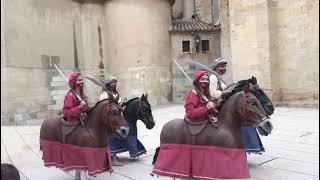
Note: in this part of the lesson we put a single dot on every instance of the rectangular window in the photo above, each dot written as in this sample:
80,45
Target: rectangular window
205,45
185,46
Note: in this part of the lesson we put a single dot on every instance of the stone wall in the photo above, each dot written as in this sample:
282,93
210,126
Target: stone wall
34,31
204,9
225,42
277,41
137,45
294,49
177,9
188,8
180,84
250,41
274,41
123,38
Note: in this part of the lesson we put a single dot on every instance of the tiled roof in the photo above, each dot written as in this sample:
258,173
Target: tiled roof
192,25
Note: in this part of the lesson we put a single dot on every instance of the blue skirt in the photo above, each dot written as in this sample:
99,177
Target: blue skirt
118,144
251,139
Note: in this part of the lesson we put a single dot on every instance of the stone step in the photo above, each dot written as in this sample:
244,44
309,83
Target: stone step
56,107
54,88
42,115
59,92
59,102
58,83
21,117
58,97
58,79
31,122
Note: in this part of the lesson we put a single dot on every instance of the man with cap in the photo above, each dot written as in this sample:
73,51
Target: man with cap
217,87
111,85
75,102
252,141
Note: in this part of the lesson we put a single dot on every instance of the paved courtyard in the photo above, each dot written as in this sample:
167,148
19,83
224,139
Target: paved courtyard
292,150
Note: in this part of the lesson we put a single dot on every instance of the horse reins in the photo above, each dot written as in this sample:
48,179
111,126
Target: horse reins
119,108
245,109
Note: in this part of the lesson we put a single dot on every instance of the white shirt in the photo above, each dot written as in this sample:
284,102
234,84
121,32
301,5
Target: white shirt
215,92
104,95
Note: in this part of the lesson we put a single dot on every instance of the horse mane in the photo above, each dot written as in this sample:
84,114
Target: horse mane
96,105
99,103
237,87
129,101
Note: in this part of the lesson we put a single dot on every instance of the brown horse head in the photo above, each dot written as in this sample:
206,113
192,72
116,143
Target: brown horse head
243,105
252,110
113,119
249,101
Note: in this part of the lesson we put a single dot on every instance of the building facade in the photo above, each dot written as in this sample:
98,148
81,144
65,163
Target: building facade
277,41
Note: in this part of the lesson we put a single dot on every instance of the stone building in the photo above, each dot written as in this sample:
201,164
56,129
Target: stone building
274,40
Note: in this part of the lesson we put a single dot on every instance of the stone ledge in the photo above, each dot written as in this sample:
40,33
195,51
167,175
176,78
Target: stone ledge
102,1
58,83
310,104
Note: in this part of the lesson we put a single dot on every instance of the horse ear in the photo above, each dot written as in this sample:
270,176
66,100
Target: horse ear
146,95
253,80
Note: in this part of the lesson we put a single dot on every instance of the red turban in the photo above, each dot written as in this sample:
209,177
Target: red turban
197,75
72,78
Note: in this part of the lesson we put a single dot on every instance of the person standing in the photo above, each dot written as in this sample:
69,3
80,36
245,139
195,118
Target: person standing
198,105
111,92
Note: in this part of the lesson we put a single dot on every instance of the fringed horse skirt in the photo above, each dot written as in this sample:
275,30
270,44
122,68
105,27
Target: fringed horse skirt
71,157
132,144
201,162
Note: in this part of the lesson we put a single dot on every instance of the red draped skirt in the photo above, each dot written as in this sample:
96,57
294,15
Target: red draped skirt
71,157
201,162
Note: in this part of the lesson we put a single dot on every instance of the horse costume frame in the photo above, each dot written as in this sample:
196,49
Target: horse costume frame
213,153
86,147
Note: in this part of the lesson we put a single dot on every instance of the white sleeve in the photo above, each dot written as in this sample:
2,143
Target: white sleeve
104,95
213,87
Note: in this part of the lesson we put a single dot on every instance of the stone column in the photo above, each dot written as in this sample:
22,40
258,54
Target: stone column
138,47
188,8
177,9
203,8
90,38
225,38
249,36
215,5
4,93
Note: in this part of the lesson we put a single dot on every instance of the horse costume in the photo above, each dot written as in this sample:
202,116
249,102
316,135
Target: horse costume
136,108
205,152
76,147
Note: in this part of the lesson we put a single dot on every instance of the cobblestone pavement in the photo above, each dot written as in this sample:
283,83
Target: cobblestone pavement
292,150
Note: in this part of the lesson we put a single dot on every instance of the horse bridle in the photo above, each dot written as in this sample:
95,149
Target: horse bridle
144,119
108,110
245,108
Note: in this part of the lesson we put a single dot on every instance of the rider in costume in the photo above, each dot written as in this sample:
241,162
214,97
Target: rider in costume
111,86
75,102
250,136
197,109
